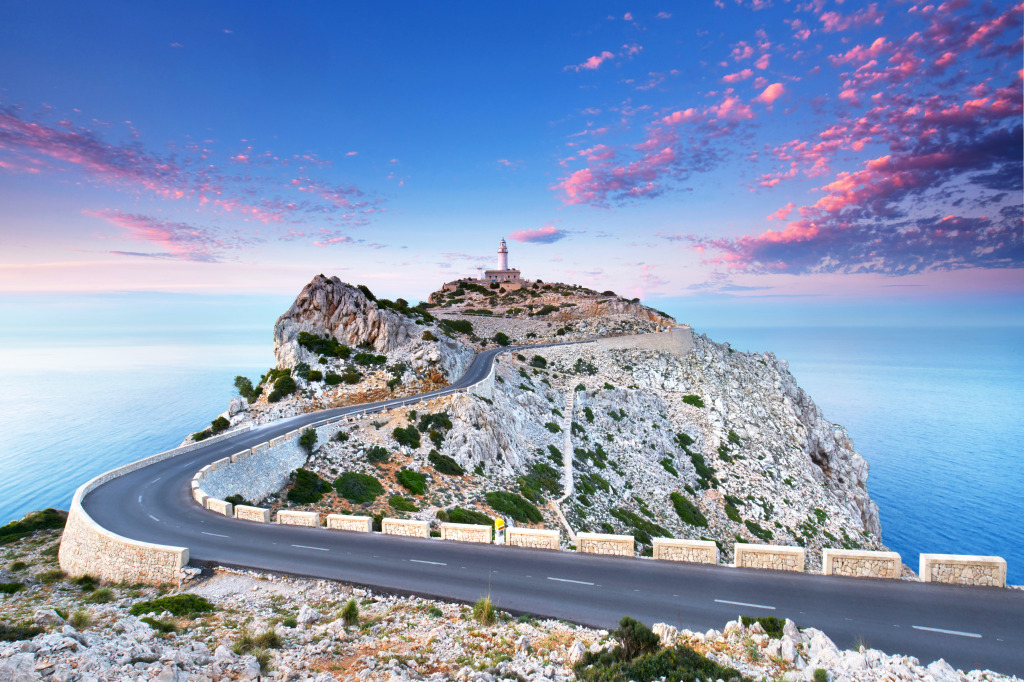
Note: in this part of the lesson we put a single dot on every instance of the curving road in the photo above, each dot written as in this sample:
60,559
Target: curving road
970,627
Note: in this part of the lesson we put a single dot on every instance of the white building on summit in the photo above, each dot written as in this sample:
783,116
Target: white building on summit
504,277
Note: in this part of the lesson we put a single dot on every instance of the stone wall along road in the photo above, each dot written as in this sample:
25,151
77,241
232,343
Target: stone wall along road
406,527
298,518
963,569
466,532
534,538
602,543
693,551
772,557
860,563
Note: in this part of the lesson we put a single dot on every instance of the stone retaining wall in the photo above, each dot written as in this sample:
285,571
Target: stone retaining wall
220,506
677,340
357,524
298,518
963,569
406,527
602,543
257,514
534,538
861,563
466,532
694,551
772,557
86,548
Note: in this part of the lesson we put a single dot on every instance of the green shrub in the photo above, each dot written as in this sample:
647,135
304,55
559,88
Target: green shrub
456,326
444,464
14,632
402,504
10,588
584,367
705,474
684,440
314,375
634,638
460,515
309,488
366,291
408,436
358,488
332,379
642,528
439,421
514,506
733,437
732,512
435,612
283,386
688,511
352,377
161,626
308,440
236,500
290,622
80,619
501,338
772,625
546,310
369,359
820,675
674,664
429,336
758,531
484,612
50,576
219,425
377,455
18,566
201,435
552,427
179,605
47,519
324,345
667,465
589,414
246,389
693,400
350,613
413,481
538,361
542,477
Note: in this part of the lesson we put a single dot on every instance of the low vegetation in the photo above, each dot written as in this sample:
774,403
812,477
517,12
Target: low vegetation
444,464
514,506
358,488
308,487
413,481
179,605
46,519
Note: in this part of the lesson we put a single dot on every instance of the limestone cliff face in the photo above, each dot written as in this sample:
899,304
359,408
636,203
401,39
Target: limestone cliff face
328,306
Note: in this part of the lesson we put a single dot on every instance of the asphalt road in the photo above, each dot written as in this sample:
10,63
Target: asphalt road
970,627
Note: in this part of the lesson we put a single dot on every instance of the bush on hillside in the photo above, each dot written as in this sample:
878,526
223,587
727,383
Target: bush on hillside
688,511
179,606
358,488
460,515
377,455
413,481
538,361
309,488
514,506
444,464
324,345
47,519
501,338
694,400
308,440
408,436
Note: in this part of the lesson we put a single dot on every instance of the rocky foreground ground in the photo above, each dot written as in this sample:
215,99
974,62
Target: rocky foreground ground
243,625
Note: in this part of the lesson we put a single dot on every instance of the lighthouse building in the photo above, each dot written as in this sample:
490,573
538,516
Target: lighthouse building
503,277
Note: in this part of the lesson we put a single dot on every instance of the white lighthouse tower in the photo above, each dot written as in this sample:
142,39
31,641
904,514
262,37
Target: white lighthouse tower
503,256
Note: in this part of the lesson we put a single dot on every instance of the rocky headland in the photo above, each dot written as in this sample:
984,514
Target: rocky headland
607,435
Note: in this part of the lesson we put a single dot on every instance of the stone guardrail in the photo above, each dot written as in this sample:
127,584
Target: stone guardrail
859,563
603,543
691,551
356,524
466,532
86,548
406,527
961,569
533,538
772,557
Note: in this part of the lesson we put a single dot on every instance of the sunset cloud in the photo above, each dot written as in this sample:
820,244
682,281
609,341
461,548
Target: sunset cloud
542,235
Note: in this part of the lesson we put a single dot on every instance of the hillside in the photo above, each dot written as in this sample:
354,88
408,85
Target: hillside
688,441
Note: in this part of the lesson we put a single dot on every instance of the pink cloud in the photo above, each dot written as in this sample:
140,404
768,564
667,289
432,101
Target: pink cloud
763,61
783,212
664,15
178,240
833,21
541,235
771,93
738,76
592,63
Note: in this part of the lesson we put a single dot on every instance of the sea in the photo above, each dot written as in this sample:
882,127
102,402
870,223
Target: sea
938,413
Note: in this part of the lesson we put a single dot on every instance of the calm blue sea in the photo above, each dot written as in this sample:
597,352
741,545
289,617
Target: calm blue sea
938,414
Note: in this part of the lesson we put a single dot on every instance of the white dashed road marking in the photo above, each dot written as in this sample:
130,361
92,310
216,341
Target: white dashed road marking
947,632
566,580
216,535
434,563
743,603
319,549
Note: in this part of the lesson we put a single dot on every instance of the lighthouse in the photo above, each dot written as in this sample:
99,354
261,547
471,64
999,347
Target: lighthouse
503,256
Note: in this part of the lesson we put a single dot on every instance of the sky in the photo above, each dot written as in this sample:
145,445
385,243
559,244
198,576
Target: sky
732,160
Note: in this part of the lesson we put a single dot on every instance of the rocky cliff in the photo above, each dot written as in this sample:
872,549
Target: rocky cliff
685,439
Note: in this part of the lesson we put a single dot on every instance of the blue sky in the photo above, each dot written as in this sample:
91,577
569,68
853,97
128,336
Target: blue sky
721,158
